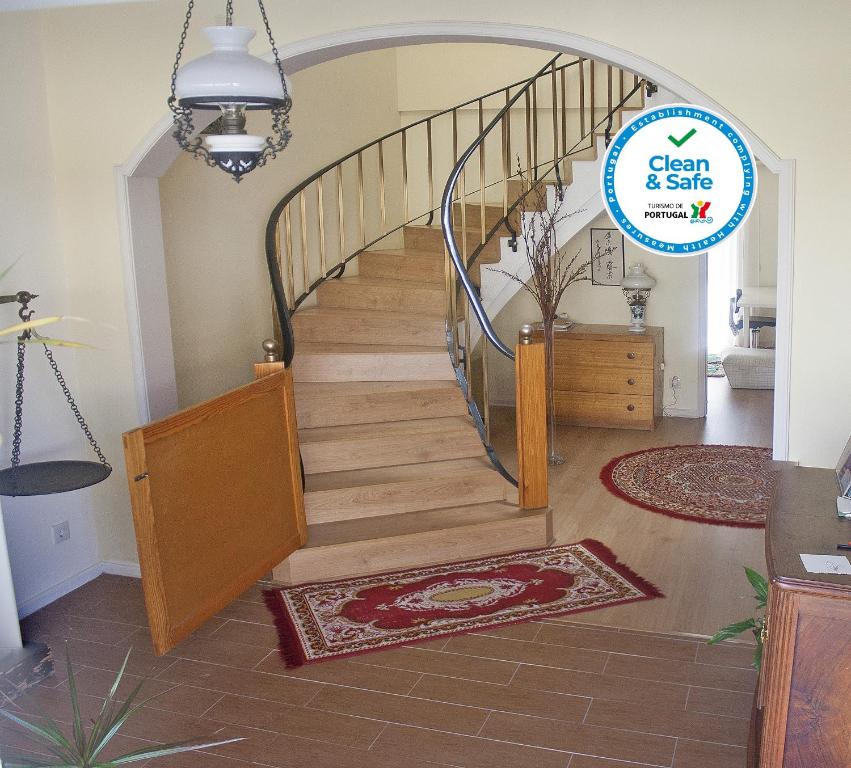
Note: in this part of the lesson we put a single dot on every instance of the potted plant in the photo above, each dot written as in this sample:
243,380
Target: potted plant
84,748
756,624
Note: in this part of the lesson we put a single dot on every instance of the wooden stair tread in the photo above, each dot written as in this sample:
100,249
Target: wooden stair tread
328,481
380,282
388,429
414,253
332,497
364,529
330,390
350,325
334,348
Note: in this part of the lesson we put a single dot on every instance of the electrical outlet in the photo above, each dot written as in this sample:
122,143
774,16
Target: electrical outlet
61,532
675,382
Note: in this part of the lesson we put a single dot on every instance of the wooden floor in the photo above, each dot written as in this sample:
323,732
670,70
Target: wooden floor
560,693
556,694
698,567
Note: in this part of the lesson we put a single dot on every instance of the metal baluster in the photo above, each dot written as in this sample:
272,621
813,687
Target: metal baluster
341,220
506,153
555,117
405,175
609,86
381,187
486,405
528,139
535,129
305,275
564,110
360,200
582,97
288,239
593,95
430,158
482,183
279,256
622,94
323,267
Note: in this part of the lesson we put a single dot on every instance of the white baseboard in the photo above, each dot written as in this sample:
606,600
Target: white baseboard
683,413
121,568
61,589
76,581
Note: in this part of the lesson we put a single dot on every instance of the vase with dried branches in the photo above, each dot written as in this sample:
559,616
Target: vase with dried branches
552,271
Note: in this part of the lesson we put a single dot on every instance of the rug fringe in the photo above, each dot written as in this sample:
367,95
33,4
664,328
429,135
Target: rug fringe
289,646
601,551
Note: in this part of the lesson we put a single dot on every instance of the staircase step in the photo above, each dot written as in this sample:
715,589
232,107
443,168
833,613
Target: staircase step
426,267
367,402
382,295
372,545
338,449
367,326
332,362
493,214
396,490
430,238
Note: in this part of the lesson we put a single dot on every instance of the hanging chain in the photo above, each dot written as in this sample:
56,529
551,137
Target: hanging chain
280,114
19,406
74,409
229,13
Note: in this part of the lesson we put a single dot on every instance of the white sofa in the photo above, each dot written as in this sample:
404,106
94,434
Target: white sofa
748,368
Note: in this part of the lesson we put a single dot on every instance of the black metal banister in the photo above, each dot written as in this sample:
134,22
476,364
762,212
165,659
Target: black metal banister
448,200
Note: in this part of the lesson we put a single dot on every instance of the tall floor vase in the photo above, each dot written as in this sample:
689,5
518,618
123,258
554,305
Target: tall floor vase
554,458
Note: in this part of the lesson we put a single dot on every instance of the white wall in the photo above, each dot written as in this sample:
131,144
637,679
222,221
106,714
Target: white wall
672,305
107,72
214,229
28,225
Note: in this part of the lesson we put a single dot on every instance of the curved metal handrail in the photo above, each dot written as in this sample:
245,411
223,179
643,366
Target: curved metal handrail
447,201
283,312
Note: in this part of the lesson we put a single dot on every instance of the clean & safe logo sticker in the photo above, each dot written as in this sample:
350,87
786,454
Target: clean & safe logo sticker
678,179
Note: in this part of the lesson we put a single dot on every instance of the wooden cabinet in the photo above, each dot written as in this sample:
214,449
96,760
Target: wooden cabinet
606,376
803,713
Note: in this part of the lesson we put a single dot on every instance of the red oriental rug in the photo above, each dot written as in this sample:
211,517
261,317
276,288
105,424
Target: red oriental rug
714,484
335,619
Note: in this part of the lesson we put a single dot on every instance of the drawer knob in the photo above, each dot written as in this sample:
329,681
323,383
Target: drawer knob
630,407
631,382
630,355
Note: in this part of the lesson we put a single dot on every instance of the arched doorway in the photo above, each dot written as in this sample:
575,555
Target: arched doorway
141,227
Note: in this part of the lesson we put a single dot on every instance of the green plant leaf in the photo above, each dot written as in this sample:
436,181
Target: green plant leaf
8,269
79,731
759,583
731,630
30,324
105,715
48,736
170,749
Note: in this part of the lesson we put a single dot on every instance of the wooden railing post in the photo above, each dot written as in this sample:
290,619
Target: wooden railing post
530,373
272,362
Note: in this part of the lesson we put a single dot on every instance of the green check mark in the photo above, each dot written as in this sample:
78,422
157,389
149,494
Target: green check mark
683,140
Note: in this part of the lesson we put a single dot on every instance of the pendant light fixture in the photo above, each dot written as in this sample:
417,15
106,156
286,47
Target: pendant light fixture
233,81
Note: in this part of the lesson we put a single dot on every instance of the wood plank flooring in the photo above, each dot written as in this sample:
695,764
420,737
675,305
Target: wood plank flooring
554,694
698,567
624,687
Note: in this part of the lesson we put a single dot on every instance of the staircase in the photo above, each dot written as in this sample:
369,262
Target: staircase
395,445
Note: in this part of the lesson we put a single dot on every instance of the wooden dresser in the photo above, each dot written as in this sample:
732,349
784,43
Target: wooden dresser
802,717
606,376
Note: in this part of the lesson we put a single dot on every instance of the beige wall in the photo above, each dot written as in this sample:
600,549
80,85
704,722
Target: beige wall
107,72
214,229
28,227
672,305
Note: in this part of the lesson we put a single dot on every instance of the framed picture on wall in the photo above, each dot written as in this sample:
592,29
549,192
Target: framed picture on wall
607,257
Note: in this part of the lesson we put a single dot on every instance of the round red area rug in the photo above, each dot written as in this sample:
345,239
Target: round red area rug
714,484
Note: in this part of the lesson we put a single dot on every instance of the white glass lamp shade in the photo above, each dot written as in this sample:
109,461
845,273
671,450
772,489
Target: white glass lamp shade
636,279
230,74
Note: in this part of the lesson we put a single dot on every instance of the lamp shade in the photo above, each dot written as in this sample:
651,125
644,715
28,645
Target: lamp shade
230,74
636,279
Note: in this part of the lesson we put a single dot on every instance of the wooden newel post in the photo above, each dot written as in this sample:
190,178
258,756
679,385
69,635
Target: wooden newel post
271,360
530,377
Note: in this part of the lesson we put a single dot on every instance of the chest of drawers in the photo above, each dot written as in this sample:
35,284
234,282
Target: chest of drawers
606,376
